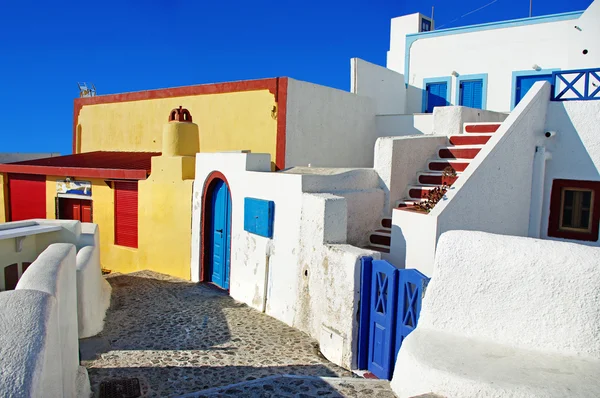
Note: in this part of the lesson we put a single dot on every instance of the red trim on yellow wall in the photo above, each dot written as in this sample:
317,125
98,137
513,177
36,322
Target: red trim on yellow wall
206,208
281,98
277,86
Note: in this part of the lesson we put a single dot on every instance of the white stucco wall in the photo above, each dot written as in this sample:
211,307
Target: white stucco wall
93,292
498,319
54,272
397,161
385,86
575,149
585,38
326,127
30,345
399,28
400,125
450,120
290,276
497,52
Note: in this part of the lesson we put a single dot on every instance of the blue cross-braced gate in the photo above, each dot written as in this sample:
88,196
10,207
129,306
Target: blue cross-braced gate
576,85
389,311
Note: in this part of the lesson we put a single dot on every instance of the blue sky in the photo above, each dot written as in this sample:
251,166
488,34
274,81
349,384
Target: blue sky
130,45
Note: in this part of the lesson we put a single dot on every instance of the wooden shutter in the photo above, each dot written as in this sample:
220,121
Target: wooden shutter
126,214
472,93
27,196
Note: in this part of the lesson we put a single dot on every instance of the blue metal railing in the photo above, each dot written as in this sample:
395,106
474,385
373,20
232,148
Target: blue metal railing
576,85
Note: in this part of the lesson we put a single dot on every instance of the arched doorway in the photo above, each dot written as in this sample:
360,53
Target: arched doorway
216,231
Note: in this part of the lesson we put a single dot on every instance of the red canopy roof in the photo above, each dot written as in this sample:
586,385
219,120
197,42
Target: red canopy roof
109,165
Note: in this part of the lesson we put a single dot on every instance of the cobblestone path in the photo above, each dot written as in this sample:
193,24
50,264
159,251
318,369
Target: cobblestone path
179,337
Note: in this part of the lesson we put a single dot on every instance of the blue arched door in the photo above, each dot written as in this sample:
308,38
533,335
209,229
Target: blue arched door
220,235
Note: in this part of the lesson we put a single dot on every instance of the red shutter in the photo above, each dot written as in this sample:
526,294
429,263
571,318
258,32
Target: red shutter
126,214
11,276
27,196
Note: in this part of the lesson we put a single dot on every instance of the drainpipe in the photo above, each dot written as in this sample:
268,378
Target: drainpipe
268,253
537,191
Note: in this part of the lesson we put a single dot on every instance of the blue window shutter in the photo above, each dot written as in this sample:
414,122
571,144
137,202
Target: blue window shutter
471,93
436,95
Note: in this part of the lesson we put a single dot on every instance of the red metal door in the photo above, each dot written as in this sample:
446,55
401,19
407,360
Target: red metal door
86,211
27,196
11,276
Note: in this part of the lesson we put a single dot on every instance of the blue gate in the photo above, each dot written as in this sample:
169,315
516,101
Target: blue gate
389,311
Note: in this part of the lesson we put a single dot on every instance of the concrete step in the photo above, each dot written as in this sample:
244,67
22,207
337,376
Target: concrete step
386,222
382,239
459,152
435,178
469,139
440,164
405,203
481,127
416,192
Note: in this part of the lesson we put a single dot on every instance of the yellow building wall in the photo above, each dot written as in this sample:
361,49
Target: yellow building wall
227,122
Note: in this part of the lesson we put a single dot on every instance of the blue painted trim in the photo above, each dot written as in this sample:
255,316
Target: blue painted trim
443,79
481,76
411,38
570,85
521,73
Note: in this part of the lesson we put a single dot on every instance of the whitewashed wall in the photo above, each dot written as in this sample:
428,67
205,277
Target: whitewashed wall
54,273
585,38
498,321
575,149
326,127
400,125
30,345
450,120
272,275
397,161
385,86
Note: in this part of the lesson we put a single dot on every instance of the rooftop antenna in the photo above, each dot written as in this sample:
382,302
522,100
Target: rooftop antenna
84,91
432,17
530,4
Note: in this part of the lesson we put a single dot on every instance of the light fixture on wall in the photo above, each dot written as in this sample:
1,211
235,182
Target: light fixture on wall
454,73
535,67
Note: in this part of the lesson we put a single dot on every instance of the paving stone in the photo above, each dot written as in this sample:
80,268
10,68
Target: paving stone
179,337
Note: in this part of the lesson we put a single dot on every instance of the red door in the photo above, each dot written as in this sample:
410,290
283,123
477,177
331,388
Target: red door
75,209
27,196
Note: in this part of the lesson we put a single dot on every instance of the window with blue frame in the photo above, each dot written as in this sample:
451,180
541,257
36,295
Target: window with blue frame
435,95
425,25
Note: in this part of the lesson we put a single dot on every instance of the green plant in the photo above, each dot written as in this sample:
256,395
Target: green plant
437,193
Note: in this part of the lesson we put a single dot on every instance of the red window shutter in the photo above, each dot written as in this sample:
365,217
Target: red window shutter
11,276
27,196
126,214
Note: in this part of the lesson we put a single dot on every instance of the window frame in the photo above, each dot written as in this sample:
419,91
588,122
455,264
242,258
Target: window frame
555,222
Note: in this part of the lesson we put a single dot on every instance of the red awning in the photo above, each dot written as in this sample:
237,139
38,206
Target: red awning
107,165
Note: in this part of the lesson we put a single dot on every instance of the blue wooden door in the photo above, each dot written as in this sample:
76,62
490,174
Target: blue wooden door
382,319
471,93
436,95
411,288
221,235
524,84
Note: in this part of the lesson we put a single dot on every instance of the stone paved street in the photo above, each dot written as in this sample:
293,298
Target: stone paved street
179,337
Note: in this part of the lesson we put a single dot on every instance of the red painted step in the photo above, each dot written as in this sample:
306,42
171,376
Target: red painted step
464,139
418,192
436,179
458,153
482,128
386,222
441,165
377,249
380,239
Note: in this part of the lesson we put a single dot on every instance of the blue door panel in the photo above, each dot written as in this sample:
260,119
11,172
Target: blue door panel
471,93
382,319
436,95
220,235
524,84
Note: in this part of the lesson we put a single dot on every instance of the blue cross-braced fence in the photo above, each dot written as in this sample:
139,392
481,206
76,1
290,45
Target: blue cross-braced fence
576,85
